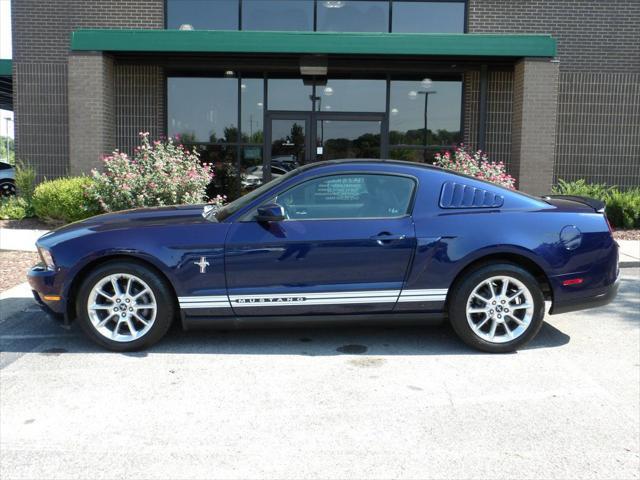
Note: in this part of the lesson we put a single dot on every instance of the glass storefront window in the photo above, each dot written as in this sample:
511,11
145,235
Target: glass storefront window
351,96
353,16
252,107
203,109
281,15
203,14
428,17
347,139
289,94
407,107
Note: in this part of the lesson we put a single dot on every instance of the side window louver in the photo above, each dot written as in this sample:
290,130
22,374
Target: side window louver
458,195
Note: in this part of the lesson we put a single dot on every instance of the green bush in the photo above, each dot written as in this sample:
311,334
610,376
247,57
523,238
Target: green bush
14,208
623,207
25,181
64,199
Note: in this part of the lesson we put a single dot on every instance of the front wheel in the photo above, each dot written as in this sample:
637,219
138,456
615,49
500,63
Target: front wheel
124,306
497,308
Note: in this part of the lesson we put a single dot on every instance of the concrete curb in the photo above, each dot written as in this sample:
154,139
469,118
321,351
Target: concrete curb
629,264
23,240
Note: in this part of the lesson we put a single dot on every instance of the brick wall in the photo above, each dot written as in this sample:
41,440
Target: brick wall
592,35
598,110
41,37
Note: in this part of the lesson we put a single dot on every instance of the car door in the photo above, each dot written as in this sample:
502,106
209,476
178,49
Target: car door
345,248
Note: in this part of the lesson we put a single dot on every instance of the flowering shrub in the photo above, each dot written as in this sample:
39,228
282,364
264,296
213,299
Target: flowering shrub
476,165
161,173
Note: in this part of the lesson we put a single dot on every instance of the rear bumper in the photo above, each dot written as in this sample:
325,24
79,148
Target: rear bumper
592,301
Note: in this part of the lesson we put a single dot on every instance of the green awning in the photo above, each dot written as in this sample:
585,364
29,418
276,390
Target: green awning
217,41
5,67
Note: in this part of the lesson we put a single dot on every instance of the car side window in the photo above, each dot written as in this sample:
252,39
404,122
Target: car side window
350,195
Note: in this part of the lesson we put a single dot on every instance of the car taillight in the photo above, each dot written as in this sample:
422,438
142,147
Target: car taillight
608,223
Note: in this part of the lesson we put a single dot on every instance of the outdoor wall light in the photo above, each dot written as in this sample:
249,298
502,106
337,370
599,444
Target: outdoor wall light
333,4
229,73
426,83
413,95
313,66
186,26
328,91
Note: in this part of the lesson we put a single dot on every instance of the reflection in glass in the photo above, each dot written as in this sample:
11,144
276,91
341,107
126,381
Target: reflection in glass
289,94
351,96
407,107
353,16
203,14
414,154
223,158
288,143
203,109
252,104
251,174
428,17
347,139
280,15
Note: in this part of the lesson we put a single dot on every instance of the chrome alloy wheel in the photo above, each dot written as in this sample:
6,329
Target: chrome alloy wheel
500,309
121,307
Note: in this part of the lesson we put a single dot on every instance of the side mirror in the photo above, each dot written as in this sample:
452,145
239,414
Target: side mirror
271,213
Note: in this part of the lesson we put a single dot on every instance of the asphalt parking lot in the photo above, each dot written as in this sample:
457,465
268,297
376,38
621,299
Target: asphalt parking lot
408,402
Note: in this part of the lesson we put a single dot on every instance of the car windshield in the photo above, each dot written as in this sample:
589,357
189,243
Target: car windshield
239,203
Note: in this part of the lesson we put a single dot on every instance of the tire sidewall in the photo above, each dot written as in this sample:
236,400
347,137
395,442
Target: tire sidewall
462,291
163,296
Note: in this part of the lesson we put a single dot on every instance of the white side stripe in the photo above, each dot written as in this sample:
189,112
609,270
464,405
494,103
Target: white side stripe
314,298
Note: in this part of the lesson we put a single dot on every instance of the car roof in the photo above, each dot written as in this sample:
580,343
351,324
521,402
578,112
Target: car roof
347,161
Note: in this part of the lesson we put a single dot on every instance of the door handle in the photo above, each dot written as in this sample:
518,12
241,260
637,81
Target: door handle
384,238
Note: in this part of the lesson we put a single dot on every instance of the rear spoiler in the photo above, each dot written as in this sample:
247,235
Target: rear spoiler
597,205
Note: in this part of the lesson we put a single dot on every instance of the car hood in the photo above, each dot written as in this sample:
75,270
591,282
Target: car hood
128,219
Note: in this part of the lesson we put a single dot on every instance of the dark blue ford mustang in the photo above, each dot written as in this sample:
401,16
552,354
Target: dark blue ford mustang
341,240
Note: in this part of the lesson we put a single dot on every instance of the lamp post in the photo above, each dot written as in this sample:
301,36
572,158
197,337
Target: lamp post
7,120
426,94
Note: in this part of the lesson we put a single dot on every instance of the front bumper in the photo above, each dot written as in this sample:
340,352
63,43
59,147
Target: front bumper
45,283
582,303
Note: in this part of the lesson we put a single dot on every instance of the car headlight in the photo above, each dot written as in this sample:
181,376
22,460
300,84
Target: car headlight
46,257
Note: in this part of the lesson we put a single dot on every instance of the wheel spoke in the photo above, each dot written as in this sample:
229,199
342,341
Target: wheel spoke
521,306
515,319
130,326
492,332
137,295
105,294
485,300
477,310
493,292
116,287
114,333
105,320
509,332
128,289
140,319
518,293
97,306
505,287
483,322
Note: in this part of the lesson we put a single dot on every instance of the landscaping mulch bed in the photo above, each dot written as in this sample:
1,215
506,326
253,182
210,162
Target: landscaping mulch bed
626,234
28,224
14,267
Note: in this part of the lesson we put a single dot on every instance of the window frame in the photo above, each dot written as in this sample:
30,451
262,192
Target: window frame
250,215
315,13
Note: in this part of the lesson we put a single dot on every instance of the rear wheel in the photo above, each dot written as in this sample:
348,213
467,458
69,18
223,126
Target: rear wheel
7,188
497,308
124,306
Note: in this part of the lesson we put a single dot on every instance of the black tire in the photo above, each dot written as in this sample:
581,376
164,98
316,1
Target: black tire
464,287
7,188
164,299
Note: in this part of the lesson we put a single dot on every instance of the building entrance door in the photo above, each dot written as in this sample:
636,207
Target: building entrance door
293,139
